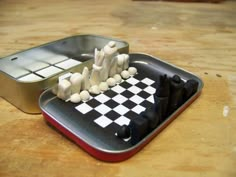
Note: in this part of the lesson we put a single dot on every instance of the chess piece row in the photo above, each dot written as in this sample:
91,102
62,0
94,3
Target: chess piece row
108,69
170,94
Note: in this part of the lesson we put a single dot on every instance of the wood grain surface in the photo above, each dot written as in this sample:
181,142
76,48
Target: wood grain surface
198,37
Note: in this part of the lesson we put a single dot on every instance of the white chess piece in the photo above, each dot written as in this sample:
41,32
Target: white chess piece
126,61
85,81
120,63
64,89
113,68
110,51
76,80
84,95
111,82
75,98
95,77
125,74
132,71
95,89
118,78
103,86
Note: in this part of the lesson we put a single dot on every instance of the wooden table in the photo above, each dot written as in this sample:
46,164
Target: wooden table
198,37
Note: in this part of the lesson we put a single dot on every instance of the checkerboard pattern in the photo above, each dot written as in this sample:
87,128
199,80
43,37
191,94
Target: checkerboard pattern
38,70
120,103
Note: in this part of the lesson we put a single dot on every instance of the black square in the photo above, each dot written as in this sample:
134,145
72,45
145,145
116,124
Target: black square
139,76
110,93
141,85
111,103
125,84
127,94
112,128
132,115
129,104
112,115
93,103
143,94
154,85
146,104
92,115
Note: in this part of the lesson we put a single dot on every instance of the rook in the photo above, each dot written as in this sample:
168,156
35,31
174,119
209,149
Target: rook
176,93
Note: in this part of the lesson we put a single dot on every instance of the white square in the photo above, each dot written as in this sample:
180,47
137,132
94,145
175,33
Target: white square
83,108
30,78
103,121
120,99
147,81
137,99
55,59
134,89
138,109
14,71
68,64
49,71
150,89
151,99
118,89
103,109
102,98
36,66
120,109
122,120
132,81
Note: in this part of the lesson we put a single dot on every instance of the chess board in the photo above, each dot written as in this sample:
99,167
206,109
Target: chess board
93,124
99,118
120,104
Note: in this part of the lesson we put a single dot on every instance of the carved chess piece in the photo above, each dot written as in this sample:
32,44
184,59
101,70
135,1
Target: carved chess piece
95,77
110,51
85,82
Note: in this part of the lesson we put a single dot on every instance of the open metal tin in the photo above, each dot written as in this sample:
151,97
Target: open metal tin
25,75
102,142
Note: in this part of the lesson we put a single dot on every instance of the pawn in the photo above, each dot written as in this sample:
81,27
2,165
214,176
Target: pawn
103,86
111,82
132,71
94,89
75,98
118,78
123,132
125,74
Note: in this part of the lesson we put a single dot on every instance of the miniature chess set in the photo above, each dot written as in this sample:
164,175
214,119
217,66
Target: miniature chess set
119,105
113,104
